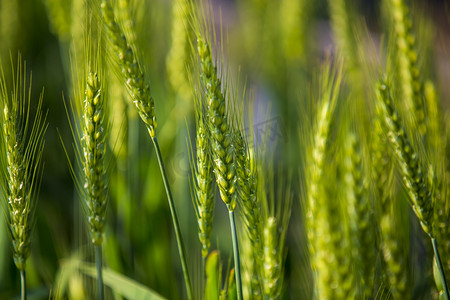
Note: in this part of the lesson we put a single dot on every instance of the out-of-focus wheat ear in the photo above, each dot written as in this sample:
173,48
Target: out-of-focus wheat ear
131,70
179,55
59,17
316,155
394,254
435,130
118,112
406,61
277,214
360,213
294,18
342,21
393,250
328,244
22,145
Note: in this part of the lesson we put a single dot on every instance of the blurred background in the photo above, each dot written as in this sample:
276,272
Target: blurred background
275,46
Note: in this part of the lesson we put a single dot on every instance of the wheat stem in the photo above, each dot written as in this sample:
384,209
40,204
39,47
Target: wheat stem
237,262
98,263
204,277
173,212
23,284
440,267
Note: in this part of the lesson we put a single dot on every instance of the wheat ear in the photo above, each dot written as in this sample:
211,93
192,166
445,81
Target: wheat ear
94,147
131,69
203,182
179,53
220,143
414,179
408,159
221,135
247,175
134,78
328,245
391,246
274,193
360,213
21,153
411,85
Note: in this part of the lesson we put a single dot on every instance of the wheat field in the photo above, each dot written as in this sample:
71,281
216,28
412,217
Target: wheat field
219,149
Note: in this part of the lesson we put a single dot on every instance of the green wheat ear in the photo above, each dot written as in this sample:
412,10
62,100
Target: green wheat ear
202,180
221,135
360,212
409,160
93,149
131,70
391,245
406,59
22,146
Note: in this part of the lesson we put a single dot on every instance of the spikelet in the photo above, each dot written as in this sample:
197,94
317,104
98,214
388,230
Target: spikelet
93,148
133,76
410,82
221,135
21,150
410,165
